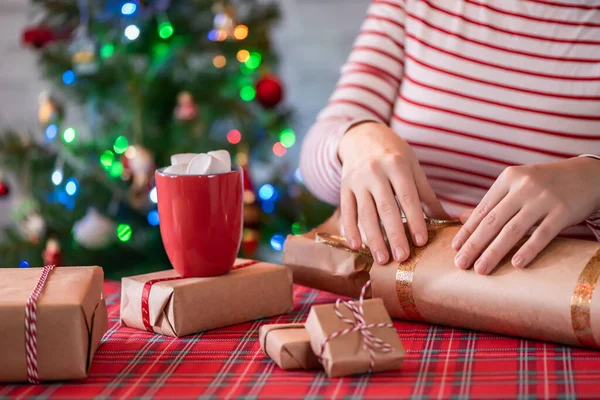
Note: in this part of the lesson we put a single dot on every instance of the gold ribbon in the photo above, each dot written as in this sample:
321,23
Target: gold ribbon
581,301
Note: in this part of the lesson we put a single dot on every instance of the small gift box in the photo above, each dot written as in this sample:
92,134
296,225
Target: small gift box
336,269
51,322
352,337
165,303
288,345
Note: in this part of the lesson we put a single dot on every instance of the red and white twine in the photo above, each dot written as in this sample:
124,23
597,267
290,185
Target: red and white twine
371,343
30,327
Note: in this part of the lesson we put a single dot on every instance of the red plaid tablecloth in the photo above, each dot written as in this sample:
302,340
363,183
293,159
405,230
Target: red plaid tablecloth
228,363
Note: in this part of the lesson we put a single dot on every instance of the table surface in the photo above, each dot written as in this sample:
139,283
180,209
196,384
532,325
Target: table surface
228,363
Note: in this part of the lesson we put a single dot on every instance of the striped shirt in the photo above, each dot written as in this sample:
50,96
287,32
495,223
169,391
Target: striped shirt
473,86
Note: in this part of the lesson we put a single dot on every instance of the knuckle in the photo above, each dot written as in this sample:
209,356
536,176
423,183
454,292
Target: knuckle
470,247
395,159
491,219
481,210
543,233
372,165
406,200
513,228
387,208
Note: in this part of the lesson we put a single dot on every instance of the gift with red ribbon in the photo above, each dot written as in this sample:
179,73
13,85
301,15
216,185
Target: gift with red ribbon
353,337
168,304
51,322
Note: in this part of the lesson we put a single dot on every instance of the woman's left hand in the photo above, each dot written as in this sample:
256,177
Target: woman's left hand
552,196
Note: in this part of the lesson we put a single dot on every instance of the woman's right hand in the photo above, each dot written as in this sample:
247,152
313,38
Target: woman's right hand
377,165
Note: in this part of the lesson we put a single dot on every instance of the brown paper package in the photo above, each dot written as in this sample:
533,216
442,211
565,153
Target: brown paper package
345,355
288,345
321,267
182,307
71,320
534,302
545,301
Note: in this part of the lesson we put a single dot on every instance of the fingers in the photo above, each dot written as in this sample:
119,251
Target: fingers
543,234
489,201
369,221
406,192
389,212
349,218
485,231
510,235
432,206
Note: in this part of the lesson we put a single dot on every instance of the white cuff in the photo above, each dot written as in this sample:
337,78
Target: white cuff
590,156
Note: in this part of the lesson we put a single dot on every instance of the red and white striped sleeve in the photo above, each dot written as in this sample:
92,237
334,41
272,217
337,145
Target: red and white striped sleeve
366,91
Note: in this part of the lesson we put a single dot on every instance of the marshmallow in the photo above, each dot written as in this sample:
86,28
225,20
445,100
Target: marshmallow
183,158
177,169
223,156
205,164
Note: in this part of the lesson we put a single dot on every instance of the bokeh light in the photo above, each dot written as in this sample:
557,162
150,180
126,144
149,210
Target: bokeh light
132,32
51,132
69,135
277,242
234,136
266,192
253,61
165,30
120,145
23,264
267,206
247,93
124,232
219,61
116,169
57,177
71,186
213,35
287,137
107,50
279,149
68,77
153,218
107,158
243,55
128,8
153,195
240,32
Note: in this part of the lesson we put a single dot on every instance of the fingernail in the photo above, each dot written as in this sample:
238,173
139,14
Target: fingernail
399,253
518,261
354,243
481,267
419,239
380,257
457,244
461,261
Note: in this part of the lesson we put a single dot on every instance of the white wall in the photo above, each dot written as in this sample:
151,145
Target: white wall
313,39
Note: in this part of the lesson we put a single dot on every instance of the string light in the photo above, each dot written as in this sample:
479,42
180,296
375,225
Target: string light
219,61
165,30
243,55
298,176
116,169
68,77
121,145
132,32
153,195
124,232
279,149
234,136
107,158
267,206
277,242
57,177
51,132
107,50
240,32
69,135
253,61
23,264
222,35
128,8
287,137
266,192
247,93
71,187
298,228
153,218
213,35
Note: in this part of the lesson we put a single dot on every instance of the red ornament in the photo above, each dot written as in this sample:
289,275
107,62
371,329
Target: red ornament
4,190
52,254
269,91
38,36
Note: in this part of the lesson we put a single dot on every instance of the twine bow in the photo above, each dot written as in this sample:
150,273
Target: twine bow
30,327
371,343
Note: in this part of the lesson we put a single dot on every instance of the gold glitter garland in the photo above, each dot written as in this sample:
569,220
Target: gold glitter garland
581,301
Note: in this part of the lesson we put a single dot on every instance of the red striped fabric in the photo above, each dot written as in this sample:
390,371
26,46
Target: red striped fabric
476,86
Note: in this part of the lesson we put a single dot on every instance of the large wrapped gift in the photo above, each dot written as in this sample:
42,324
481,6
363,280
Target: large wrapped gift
288,345
332,268
164,302
51,322
551,300
353,337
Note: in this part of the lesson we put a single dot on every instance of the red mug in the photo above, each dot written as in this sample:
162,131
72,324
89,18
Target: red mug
201,220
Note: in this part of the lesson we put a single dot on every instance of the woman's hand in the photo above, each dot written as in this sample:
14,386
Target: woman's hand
553,196
378,165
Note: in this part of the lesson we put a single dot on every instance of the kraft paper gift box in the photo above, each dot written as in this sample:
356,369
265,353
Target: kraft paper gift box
346,354
334,269
71,320
288,345
165,303
551,300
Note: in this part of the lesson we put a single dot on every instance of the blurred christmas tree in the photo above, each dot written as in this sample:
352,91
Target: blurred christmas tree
152,78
